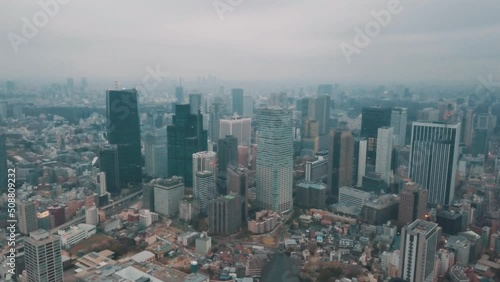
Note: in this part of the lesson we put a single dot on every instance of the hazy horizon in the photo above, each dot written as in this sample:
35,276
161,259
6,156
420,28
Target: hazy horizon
427,41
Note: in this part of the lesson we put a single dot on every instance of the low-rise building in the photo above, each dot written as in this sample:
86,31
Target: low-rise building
75,234
264,222
203,244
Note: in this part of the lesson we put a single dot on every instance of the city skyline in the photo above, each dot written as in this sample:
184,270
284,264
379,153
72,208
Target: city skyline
279,50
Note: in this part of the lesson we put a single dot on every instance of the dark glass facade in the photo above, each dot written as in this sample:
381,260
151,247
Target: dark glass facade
237,95
227,151
108,163
185,137
371,120
124,132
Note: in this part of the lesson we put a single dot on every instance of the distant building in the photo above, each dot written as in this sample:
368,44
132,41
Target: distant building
27,217
372,118
265,221
167,195
155,153
413,203
189,209
384,153
91,216
195,103
204,161
311,195
434,159
450,221
399,117
340,161
43,249
380,210
224,215
203,244
217,110
275,160
316,170
185,137
237,126
237,98
353,197
146,217
248,106
109,164
237,183
227,152
75,234
123,130
204,190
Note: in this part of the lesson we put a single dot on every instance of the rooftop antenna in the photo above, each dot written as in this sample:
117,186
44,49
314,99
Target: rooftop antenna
117,85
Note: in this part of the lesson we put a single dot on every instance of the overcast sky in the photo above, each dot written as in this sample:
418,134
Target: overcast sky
445,40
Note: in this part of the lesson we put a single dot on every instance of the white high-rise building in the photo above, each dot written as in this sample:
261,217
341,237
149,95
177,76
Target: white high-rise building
434,159
384,153
399,118
204,161
275,159
92,216
363,145
146,217
204,189
238,127
167,195
43,257
101,182
155,152
418,251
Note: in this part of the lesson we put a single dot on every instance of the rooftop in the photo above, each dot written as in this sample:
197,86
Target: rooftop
422,226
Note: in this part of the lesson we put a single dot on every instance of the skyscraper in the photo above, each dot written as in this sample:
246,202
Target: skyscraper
124,131
237,183
237,96
238,127
227,151
204,191
361,158
179,95
399,118
275,159
434,159
418,251
384,153
108,163
217,111
323,114
412,203
248,106
185,137
340,161
224,215
195,103
3,165
43,257
155,152
371,120
27,217
204,161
